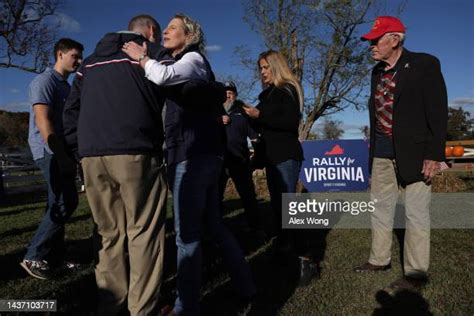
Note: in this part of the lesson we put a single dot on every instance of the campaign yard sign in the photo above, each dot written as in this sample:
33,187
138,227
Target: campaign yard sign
335,165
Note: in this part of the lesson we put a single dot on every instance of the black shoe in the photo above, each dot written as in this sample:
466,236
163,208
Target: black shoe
309,270
369,267
37,268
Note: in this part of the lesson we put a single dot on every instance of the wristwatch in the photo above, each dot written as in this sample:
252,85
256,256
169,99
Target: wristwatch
141,58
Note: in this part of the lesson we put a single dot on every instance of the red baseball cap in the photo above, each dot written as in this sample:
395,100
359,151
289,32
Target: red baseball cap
382,25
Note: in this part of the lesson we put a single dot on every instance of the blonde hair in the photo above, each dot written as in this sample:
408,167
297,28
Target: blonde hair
194,30
281,73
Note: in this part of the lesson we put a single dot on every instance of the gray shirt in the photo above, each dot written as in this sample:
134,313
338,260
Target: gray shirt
52,89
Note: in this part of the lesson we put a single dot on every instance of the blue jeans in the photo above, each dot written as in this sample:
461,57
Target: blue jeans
48,241
281,178
194,184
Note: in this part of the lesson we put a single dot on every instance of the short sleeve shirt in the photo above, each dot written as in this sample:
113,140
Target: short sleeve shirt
51,89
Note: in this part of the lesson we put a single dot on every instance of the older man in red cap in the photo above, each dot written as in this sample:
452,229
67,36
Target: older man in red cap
408,122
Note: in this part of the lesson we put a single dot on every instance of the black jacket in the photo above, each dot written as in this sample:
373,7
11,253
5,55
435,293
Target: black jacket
237,132
278,124
113,109
420,114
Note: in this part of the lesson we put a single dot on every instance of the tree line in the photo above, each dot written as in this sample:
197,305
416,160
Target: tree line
13,129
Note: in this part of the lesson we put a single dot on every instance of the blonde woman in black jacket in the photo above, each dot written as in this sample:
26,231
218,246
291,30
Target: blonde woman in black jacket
277,118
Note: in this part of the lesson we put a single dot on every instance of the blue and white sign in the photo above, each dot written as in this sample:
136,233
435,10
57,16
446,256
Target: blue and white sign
335,165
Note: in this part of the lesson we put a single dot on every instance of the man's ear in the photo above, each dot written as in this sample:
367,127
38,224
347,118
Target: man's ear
397,43
152,38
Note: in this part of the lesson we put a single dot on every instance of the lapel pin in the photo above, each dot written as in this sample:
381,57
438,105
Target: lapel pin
407,65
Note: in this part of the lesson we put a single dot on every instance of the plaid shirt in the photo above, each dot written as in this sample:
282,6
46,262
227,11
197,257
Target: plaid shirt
384,95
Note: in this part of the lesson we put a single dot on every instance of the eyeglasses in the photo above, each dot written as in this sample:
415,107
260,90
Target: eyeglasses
377,40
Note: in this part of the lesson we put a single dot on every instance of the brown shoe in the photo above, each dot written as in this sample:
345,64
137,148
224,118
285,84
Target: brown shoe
409,283
369,267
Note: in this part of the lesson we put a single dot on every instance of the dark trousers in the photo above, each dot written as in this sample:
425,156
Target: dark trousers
241,174
48,241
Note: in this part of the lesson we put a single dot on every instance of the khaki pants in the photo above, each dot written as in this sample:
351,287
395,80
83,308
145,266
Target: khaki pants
127,196
417,196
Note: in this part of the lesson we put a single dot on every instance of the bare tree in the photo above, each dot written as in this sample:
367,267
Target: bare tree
365,130
322,46
332,129
244,87
26,34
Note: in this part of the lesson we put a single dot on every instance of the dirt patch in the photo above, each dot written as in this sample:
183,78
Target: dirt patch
447,182
259,181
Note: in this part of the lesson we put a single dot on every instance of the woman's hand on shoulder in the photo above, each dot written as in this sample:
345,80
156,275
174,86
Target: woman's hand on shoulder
135,51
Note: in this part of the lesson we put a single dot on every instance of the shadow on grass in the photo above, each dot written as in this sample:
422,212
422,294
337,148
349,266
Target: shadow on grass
14,199
80,250
19,211
401,303
276,282
79,297
19,231
10,263
276,279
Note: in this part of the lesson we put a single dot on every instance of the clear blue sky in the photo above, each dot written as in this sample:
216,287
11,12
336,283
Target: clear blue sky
439,27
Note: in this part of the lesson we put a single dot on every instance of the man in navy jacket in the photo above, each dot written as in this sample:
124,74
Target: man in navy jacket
237,156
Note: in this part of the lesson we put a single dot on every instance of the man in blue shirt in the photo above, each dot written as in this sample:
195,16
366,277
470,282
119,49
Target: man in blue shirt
47,95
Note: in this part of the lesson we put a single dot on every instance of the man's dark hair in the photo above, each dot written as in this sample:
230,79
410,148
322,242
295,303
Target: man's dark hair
145,20
66,44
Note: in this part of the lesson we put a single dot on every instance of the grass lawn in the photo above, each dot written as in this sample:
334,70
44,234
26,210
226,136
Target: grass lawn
338,291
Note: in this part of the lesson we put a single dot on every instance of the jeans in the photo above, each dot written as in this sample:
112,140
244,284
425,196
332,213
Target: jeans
241,174
48,241
281,178
194,184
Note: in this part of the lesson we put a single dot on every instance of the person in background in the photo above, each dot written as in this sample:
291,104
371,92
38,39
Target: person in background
408,122
47,95
195,148
113,121
237,156
277,117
